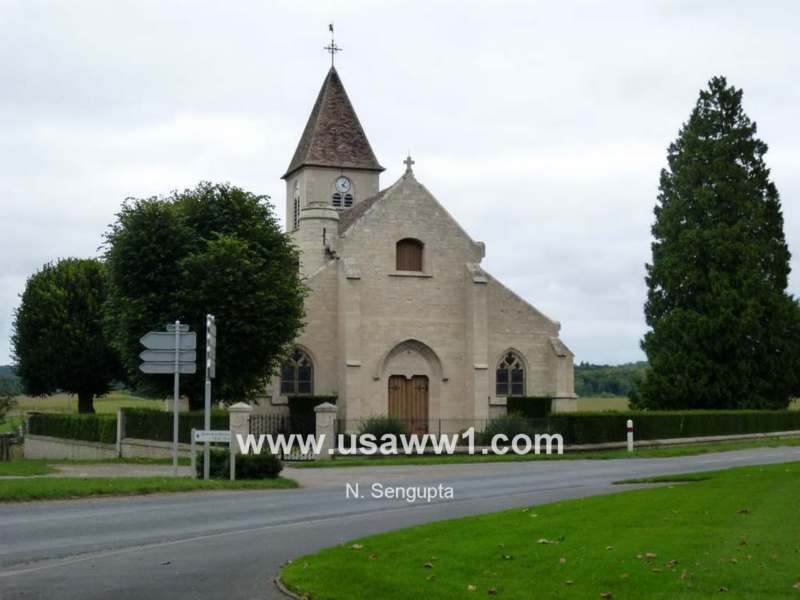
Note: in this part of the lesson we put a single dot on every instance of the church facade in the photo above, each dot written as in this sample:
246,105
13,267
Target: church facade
401,318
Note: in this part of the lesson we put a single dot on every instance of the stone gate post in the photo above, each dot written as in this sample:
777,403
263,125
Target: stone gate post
326,425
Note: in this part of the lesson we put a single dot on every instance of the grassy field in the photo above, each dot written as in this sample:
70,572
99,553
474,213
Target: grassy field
59,488
602,403
437,459
68,403
734,535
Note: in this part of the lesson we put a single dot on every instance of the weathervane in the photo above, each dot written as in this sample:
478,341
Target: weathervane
332,47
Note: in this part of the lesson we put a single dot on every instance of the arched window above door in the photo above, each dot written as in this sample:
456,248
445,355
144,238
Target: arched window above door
409,255
297,374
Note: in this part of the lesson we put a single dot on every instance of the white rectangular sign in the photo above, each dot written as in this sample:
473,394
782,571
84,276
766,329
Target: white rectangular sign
212,435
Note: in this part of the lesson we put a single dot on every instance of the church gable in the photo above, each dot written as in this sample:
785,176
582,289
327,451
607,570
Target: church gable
399,215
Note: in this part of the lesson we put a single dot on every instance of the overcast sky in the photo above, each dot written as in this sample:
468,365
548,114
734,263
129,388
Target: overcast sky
541,126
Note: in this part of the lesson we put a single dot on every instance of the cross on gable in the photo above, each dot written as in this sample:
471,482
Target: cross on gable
408,162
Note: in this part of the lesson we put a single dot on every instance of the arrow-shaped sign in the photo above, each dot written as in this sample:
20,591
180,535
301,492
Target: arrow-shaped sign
168,356
160,340
158,368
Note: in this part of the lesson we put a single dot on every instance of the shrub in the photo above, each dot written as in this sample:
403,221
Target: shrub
7,393
533,407
512,425
248,466
153,424
380,426
90,428
258,466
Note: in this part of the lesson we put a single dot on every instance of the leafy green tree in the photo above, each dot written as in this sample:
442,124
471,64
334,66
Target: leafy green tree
724,332
214,249
58,339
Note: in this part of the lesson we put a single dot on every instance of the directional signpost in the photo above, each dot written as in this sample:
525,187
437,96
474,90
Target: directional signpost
211,371
171,352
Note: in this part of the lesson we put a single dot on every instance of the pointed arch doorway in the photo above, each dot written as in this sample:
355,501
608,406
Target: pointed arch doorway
408,401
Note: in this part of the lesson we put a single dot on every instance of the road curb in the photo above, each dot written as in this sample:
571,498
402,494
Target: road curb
286,591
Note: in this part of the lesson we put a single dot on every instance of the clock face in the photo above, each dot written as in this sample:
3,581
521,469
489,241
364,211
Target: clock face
343,185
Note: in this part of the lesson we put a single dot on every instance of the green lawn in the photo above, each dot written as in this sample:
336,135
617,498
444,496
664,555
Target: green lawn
53,488
433,459
26,466
735,535
36,466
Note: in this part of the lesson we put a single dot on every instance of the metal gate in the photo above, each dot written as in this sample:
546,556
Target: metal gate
284,425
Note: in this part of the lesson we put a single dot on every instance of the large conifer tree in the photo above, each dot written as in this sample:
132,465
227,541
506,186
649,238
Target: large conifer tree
724,332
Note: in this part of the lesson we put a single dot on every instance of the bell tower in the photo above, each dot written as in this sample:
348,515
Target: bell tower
332,170
334,164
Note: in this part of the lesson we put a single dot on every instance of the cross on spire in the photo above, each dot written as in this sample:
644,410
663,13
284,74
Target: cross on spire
332,47
408,162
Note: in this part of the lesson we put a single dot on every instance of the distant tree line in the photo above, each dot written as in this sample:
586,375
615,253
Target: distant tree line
9,380
608,380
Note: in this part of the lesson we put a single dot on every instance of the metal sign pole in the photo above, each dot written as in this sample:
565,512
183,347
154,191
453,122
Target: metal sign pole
207,416
175,396
193,460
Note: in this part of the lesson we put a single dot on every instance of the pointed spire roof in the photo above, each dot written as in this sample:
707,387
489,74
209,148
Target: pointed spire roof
333,136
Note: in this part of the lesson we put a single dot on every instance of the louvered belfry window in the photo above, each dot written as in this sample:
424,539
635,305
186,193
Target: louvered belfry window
409,255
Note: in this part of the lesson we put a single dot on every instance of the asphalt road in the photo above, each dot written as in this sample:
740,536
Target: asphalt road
229,545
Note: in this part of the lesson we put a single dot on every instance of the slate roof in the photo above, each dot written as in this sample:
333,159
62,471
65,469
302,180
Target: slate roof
333,136
351,215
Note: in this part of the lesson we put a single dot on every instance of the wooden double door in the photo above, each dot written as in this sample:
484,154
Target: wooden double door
408,401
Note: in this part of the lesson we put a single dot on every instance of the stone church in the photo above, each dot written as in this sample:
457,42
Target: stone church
401,318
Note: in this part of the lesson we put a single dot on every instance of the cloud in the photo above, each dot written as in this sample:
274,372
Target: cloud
541,127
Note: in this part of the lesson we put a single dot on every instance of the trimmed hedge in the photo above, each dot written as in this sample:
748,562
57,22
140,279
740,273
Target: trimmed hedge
532,407
150,424
596,428
248,466
89,428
